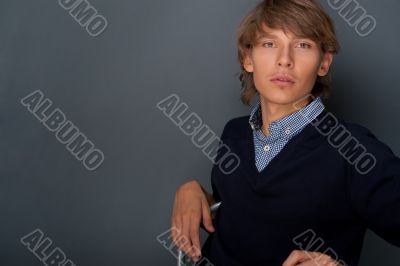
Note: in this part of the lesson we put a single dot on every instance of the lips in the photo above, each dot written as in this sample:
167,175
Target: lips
282,77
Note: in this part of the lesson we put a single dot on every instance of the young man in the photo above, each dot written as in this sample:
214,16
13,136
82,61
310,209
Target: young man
308,184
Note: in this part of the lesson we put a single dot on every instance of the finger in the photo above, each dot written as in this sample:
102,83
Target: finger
175,230
185,243
178,231
324,259
318,259
195,235
335,263
296,257
207,219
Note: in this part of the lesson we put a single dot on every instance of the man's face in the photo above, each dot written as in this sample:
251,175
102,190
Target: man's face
278,58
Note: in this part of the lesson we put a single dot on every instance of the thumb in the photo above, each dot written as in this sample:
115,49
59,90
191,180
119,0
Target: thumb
207,220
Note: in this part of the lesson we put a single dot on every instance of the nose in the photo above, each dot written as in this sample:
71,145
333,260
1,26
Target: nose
285,59
285,64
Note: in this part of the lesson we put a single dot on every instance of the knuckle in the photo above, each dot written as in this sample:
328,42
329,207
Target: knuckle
183,240
325,257
195,250
187,250
296,252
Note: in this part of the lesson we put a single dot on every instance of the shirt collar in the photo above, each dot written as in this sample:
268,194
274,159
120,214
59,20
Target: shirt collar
289,124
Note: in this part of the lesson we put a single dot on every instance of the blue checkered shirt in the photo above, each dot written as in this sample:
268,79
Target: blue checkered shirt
280,131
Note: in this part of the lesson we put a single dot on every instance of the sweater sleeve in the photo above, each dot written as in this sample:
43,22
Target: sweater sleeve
375,194
225,134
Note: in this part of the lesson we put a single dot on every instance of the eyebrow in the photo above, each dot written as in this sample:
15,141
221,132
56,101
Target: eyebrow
267,35
273,36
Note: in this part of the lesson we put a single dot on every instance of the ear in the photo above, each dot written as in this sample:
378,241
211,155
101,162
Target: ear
248,63
325,64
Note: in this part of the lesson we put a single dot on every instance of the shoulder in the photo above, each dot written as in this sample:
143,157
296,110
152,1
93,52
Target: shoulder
237,127
360,136
357,130
330,125
355,143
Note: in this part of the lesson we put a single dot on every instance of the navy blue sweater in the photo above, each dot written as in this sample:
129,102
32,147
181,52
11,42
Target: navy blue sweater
311,196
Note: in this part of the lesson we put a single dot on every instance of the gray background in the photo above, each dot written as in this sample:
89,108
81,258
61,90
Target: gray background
109,87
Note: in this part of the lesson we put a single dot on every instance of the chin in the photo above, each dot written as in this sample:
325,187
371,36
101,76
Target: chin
281,98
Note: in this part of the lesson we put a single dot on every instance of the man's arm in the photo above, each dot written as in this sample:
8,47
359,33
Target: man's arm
375,195
190,211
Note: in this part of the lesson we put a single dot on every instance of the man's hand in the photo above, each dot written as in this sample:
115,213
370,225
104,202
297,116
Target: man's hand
306,258
191,206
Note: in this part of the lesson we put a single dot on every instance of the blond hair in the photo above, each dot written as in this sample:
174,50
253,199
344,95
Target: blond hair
304,18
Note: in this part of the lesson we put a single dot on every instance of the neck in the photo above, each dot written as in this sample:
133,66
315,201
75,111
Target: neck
272,111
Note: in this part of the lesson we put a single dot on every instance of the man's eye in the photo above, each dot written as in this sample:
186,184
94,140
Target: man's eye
304,45
268,44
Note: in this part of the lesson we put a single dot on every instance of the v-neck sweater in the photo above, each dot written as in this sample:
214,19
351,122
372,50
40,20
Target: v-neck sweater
310,193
